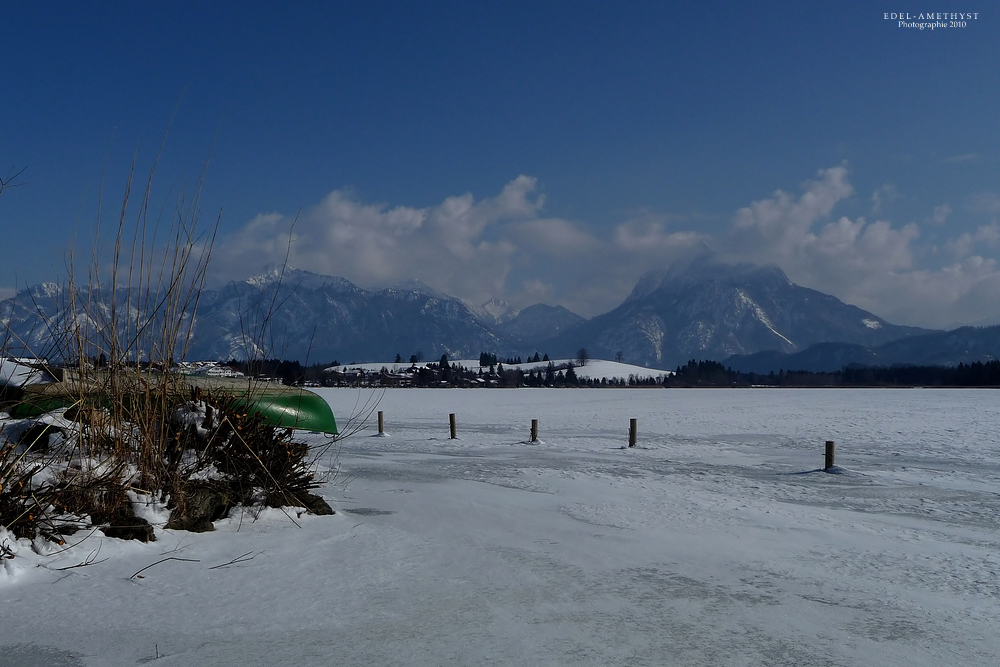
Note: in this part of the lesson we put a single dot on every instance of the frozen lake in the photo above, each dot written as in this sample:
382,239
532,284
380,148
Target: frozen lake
716,541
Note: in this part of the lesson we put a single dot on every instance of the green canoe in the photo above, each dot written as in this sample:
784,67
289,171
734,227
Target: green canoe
289,407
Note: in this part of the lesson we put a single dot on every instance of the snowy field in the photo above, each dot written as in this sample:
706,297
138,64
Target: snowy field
716,541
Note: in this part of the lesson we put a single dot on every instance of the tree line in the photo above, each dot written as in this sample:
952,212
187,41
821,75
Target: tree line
714,374
493,373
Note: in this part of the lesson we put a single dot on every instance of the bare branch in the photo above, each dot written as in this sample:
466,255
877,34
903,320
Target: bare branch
11,177
163,560
238,559
89,560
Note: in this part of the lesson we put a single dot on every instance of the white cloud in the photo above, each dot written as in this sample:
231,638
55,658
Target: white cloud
555,237
653,238
960,246
870,264
989,235
504,246
962,292
964,245
986,202
444,245
941,213
474,249
780,227
7,292
535,291
965,157
882,196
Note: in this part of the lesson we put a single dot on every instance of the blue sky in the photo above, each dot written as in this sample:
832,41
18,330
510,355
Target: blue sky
530,151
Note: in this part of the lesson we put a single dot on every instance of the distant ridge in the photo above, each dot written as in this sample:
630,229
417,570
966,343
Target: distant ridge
537,324
940,348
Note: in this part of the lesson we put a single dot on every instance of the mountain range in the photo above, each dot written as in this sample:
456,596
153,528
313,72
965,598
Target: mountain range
752,317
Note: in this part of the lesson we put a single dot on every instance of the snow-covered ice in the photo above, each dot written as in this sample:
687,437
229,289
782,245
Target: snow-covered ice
716,541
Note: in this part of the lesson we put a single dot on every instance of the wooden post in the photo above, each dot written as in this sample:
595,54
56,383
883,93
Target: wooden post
381,422
451,422
633,431
829,455
534,430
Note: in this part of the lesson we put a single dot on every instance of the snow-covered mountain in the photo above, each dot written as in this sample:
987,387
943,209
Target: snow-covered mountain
713,311
43,321
288,314
706,311
495,312
321,318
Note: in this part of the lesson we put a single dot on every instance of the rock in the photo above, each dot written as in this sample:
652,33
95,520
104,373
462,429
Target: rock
312,503
130,528
122,523
315,504
202,504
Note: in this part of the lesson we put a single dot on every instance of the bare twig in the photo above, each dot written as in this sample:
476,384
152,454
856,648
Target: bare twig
55,553
238,559
176,549
11,177
163,560
89,560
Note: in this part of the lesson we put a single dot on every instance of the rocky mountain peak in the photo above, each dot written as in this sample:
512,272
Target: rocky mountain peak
495,311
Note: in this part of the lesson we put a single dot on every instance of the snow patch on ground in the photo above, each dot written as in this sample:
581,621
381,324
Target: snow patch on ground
16,374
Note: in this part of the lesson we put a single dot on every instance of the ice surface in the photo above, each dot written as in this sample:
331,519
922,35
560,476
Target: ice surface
717,541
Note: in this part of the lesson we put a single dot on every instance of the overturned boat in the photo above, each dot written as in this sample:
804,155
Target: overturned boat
32,389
